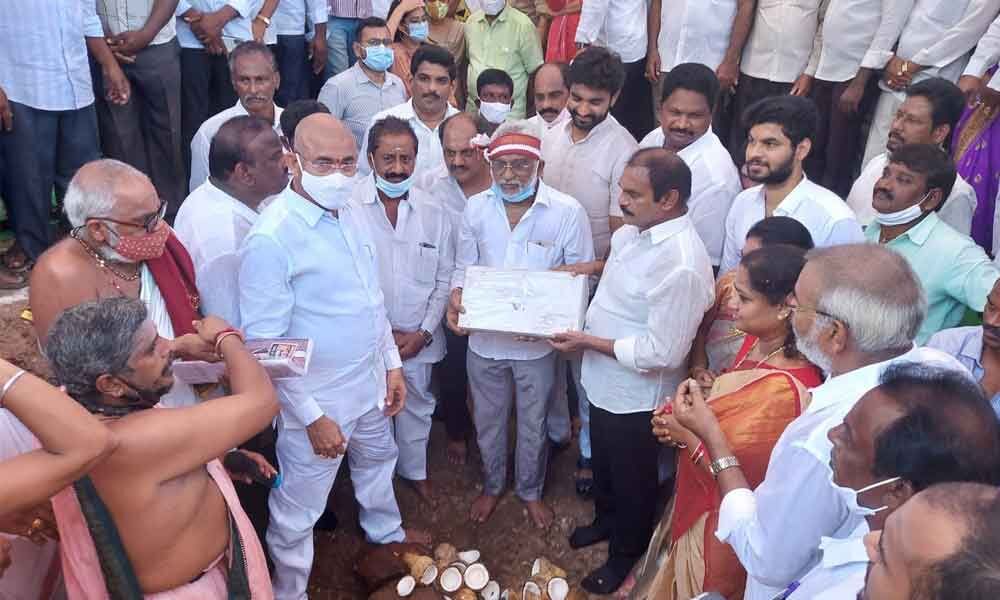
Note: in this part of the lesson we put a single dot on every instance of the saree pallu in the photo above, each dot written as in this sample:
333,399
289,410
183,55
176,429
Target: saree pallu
723,341
684,558
976,148
561,44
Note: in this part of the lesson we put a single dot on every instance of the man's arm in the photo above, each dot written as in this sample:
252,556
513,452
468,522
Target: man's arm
164,444
729,69
531,50
961,37
128,43
971,277
578,246
116,86
258,26
592,17
654,61
318,51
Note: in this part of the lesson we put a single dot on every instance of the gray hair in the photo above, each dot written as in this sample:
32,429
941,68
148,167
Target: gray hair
91,192
251,47
93,339
873,291
522,126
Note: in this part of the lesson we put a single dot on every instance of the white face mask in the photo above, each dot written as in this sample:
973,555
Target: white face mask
493,7
494,112
850,496
901,217
332,191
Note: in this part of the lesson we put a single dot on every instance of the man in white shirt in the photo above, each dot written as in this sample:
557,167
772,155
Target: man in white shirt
986,55
550,93
852,325
255,78
620,26
467,174
414,246
853,41
921,426
779,50
779,139
207,31
690,94
246,166
299,59
367,87
654,291
434,72
935,42
928,116
520,222
308,269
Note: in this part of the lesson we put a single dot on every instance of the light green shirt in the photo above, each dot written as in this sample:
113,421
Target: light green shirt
510,44
954,271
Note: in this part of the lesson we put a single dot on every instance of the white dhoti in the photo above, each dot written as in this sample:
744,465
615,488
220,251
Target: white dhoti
413,423
307,480
182,394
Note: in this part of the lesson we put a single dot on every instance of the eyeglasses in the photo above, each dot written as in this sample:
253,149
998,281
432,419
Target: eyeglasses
149,222
815,311
325,167
520,167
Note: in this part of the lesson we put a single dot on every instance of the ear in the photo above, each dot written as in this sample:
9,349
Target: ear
242,173
670,201
614,99
784,311
933,200
839,337
803,149
479,102
371,161
96,230
541,168
897,493
110,385
940,133
277,80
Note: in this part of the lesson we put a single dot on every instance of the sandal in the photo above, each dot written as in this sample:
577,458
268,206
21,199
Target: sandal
10,280
584,484
15,260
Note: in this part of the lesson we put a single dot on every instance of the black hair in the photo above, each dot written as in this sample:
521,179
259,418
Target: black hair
597,68
666,172
494,77
773,271
296,111
390,126
435,55
365,24
797,116
946,99
933,162
781,230
694,77
971,572
229,145
948,431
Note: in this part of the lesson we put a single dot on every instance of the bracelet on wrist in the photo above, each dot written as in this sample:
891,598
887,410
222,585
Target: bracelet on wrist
223,335
9,384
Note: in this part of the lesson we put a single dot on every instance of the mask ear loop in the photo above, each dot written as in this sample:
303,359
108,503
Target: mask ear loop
877,485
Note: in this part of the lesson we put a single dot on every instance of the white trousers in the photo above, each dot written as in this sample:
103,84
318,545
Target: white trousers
307,479
878,135
413,423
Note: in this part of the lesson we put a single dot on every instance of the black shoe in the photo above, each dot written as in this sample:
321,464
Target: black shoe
584,485
606,579
327,521
594,533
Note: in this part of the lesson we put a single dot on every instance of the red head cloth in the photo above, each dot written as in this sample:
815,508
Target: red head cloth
520,144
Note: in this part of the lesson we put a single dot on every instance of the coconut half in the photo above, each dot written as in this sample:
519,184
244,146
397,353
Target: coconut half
477,576
469,556
544,567
430,574
451,580
461,566
531,591
491,591
558,588
404,587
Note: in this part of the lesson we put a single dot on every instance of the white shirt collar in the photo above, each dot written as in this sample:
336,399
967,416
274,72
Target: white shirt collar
238,207
277,113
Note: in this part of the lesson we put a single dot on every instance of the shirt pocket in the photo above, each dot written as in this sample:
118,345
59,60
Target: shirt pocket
540,255
423,262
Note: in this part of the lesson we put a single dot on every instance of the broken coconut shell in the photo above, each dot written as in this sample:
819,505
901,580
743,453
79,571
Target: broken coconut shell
469,556
404,587
477,576
451,580
531,591
465,594
545,568
421,567
491,591
445,554
557,588
509,594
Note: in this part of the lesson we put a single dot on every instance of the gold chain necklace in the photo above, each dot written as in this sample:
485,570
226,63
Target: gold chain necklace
763,360
103,264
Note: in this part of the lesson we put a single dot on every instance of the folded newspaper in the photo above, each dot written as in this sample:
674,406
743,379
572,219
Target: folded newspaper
520,302
282,358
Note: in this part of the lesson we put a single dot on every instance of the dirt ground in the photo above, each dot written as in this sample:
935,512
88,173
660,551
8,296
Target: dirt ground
508,542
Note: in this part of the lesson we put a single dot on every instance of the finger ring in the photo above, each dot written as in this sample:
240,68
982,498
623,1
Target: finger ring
36,525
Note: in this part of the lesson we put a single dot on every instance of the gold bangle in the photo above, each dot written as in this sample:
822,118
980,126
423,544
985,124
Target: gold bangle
224,335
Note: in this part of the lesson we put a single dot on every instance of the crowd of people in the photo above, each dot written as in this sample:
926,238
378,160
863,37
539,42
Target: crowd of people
787,384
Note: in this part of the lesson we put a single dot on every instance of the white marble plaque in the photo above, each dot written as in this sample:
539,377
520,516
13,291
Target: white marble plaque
515,301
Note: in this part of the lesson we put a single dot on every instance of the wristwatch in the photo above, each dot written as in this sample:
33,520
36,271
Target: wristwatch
266,20
428,336
721,464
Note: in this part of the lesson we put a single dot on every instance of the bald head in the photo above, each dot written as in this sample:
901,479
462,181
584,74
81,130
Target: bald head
322,139
108,188
549,90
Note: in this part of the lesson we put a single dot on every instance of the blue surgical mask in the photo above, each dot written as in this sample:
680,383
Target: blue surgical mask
523,194
378,58
393,190
418,31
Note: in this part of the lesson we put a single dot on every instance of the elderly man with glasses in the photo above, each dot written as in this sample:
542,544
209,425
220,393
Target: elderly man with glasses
119,246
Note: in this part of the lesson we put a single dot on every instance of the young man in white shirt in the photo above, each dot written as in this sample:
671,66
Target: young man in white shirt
550,92
779,139
255,79
654,290
415,253
852,41
928,116
520,222
620,26
690,94
935,42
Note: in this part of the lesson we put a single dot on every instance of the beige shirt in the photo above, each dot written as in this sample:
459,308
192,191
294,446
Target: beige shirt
589,171
118,16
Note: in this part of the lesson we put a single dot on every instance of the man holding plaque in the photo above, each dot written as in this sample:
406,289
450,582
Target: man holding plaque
655,288
518,223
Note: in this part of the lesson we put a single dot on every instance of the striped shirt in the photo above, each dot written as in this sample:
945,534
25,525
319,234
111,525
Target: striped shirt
354,98
350,9
291,15
118,16
43,59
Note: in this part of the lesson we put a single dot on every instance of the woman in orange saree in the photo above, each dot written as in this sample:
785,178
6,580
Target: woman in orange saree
754,401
